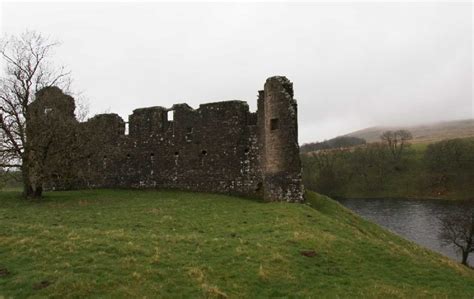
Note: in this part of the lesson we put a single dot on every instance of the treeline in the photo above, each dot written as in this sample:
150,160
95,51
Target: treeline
10,179
338,142
450,163
393,168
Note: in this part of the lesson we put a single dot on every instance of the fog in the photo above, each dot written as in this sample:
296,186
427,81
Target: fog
353,65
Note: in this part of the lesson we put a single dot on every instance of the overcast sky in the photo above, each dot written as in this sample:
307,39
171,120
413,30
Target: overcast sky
353,65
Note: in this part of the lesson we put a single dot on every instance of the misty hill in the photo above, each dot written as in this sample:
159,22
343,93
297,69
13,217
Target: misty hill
338,142
423,133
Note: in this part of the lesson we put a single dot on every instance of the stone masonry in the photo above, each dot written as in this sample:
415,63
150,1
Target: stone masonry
220,147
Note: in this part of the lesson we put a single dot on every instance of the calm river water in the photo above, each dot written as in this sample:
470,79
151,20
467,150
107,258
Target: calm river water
415,220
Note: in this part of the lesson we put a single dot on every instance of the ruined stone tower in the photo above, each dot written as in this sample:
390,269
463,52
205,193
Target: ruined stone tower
278,140
220,147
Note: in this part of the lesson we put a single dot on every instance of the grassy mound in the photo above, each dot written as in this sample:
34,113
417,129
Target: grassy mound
177,244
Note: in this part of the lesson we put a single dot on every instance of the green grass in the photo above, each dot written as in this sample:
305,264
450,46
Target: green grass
118,243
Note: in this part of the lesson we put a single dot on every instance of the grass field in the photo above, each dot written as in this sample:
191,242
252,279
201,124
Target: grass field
117,243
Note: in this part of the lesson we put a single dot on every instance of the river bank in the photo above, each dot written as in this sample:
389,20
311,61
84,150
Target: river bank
417,220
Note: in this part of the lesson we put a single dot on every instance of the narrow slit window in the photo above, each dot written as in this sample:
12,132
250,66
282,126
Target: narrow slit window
170,115
126,129
152,163
189,134
274,124
203,154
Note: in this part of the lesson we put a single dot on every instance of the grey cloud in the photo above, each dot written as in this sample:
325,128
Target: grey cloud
353,65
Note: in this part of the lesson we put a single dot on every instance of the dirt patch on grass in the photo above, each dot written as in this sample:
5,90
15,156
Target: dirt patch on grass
308,253
4,272
41,285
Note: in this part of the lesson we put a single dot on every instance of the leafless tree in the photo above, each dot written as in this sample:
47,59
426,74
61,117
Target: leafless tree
396,141
458,230
28,69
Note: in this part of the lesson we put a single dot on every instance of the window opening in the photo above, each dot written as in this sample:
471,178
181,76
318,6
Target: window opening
127,129
274,124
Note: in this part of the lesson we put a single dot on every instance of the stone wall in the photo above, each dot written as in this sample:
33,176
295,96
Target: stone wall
220,147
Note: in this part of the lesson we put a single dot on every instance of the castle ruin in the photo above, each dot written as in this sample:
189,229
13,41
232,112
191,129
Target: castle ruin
220,147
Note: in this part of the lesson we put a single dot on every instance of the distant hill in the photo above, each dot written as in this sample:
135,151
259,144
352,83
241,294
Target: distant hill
338,142
423,133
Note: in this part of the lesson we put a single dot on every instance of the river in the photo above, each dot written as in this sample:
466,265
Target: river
413,219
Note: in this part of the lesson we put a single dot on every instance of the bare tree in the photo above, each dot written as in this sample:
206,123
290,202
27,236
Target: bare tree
28,69
458,230
396,141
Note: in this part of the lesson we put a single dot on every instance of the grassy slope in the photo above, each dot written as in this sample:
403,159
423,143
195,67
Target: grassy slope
177,244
